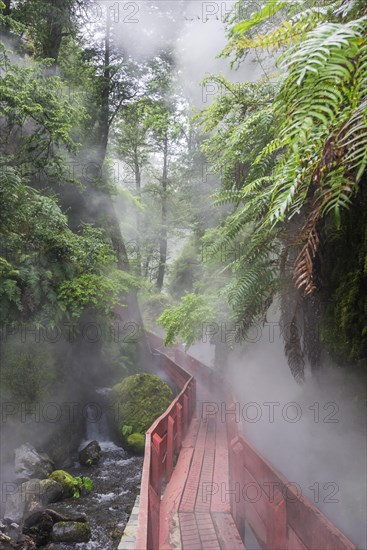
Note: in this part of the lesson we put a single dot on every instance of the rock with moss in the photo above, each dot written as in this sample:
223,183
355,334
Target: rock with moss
66,481
71,532
139,400
136,443
91,454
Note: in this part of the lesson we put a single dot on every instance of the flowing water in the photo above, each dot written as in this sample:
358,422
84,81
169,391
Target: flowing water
116,481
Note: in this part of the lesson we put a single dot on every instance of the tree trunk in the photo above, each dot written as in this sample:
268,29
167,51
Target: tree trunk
104,116
163,238
7,9
55,17
138,216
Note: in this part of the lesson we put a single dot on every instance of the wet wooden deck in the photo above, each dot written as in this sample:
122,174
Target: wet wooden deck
195,514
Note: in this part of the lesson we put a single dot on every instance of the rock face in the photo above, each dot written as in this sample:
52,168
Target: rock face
29,463
71,531
139,400
90,455
31,495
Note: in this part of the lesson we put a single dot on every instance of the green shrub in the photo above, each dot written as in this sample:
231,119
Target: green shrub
27,369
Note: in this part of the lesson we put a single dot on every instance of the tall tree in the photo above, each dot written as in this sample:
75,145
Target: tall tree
167,129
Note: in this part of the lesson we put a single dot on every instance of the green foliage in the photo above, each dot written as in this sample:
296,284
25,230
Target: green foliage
72,486
101,292
187,319
139,400
81,483
39,116
298,19
185,271
45,268
152,306
28,368
344,322
304,155
126,430
269,10
242,119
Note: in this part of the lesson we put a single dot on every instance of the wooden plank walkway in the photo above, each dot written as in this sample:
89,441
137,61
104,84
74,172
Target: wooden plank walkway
194,514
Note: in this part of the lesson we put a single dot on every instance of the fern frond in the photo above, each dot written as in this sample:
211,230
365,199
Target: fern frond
288,33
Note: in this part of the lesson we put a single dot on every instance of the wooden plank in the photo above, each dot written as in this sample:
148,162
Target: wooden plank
173,494
312,527
276,525
256,523
220,499
154,518
227,533
190,538
192,433
207,532
143,539
293,542
191,487
203,498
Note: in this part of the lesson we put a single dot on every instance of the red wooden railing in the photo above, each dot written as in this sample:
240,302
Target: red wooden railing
262,501
162,446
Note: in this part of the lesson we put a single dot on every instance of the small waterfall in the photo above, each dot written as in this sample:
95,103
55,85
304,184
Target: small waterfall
97,426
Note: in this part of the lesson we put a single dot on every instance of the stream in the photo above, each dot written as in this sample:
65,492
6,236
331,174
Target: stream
116,483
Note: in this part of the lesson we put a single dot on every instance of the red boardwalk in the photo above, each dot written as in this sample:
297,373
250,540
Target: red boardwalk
201,476
194,516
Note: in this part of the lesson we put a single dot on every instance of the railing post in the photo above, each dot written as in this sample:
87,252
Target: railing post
170,447
189,393
185,412
157,464
179,426
236,477
276,537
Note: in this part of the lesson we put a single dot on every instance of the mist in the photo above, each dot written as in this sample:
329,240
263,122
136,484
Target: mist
314,433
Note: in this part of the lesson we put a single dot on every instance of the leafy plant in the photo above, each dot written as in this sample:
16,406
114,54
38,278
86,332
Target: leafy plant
81,483
302,166
126,430
187,318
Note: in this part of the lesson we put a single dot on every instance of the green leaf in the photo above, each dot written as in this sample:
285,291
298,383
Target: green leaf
271,8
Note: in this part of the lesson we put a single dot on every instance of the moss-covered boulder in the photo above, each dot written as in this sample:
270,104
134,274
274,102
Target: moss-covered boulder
136,443
66,481
71,532
139,400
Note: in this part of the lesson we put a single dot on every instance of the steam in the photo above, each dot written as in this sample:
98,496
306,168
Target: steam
307,451
314,434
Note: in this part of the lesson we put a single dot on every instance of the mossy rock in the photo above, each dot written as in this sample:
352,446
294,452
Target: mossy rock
136,443
71,532
139,400
66,480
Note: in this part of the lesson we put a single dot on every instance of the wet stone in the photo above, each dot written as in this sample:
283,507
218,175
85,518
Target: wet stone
71,531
